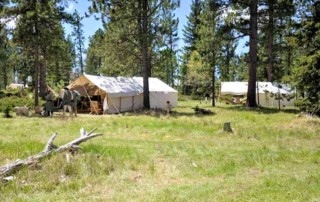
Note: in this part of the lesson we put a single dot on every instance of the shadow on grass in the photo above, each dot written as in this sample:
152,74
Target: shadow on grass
264,110
176,114
161,113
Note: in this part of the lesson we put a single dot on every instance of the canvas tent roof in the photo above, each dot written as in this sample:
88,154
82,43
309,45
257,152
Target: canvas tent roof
116,86
241,88
155,85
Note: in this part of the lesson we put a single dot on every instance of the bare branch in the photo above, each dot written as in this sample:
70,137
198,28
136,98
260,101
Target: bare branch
49,149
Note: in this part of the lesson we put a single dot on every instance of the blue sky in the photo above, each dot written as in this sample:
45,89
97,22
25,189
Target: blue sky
90,25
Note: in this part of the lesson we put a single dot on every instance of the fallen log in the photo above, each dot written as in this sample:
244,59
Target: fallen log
49,149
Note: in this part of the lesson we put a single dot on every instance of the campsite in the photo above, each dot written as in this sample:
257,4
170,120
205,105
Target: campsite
159,100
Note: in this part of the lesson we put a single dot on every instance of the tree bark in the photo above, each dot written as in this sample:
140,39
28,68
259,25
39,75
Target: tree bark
270,39
251,95
36,75
80,57
213,81
228,59
144,49
5,76
42,79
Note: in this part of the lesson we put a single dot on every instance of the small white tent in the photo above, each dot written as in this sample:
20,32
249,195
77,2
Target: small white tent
266,92
124,93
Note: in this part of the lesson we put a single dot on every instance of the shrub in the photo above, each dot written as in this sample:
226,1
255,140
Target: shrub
8,103
307,106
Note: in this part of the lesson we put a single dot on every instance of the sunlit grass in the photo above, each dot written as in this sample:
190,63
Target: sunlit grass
270,155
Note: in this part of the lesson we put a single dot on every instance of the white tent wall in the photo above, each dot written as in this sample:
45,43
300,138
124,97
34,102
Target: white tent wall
125,104
158,100
266,100
160,93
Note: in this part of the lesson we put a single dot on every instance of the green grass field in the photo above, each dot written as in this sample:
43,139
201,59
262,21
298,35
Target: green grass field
270,156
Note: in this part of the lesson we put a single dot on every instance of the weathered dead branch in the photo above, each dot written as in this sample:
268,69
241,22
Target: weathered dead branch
49,149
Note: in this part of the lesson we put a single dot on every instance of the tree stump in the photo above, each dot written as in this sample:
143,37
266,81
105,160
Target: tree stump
227,127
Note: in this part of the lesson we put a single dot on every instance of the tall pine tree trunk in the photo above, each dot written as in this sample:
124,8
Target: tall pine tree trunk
228,59
36,75
213,81
145,62
171,60
5,77
37,53
42,79
80,57
270,40
251,95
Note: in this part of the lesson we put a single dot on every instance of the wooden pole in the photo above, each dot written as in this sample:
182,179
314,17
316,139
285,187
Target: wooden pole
88,96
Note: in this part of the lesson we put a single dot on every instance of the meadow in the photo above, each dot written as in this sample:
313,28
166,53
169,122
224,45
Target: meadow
270,156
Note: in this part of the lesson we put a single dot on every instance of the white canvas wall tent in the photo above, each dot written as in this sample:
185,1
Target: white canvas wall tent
266,92
160,93
124,93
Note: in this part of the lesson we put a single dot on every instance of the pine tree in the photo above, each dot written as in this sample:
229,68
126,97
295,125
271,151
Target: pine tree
4,55
79,39
191,30
251,95
95,53
167,47
227,55
210,42
248,28
273,19
35,26
132,27
190,37
306,74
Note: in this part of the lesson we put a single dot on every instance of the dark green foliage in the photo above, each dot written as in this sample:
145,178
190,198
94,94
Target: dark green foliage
8,103
191,36
306,73
191,30
79,39
15,98
274,17
166,66
4,55
39,41
95,55
14,101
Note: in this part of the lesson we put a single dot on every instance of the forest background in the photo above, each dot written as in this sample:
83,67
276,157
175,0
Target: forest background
141,38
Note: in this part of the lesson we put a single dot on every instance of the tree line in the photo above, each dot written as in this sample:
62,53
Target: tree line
140,37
